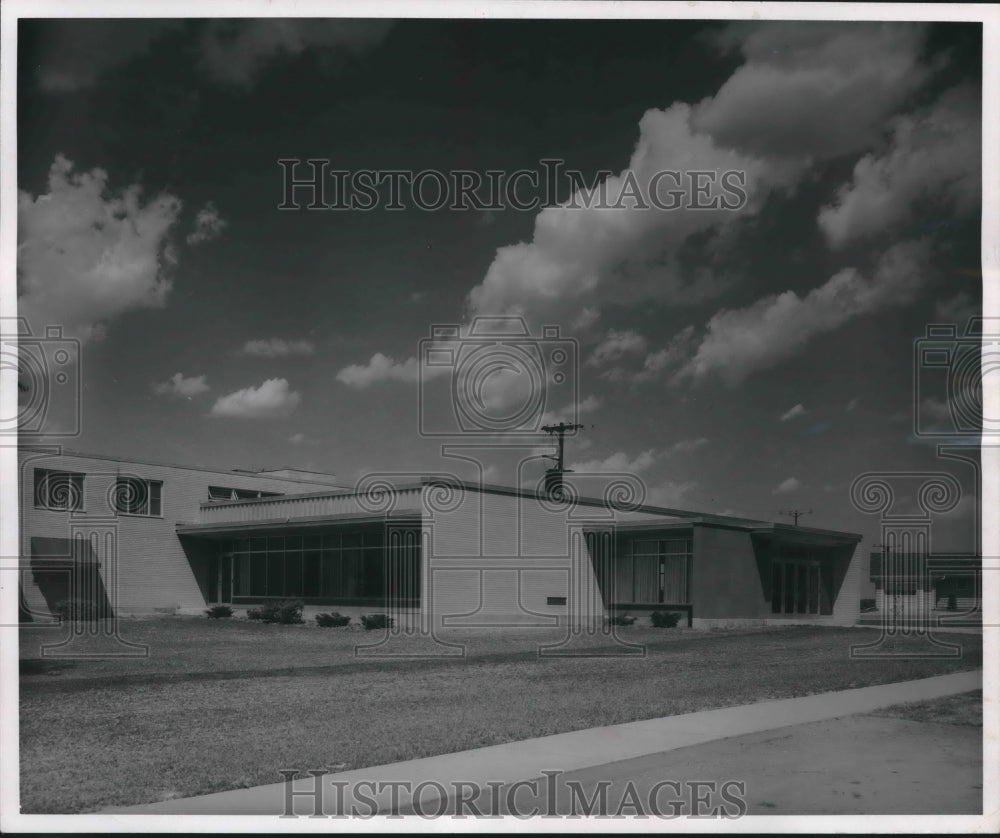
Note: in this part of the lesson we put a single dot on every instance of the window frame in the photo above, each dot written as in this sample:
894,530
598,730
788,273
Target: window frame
149,483
42,478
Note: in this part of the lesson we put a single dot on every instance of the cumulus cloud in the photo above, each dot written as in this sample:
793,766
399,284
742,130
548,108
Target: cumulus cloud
813,89
183,387
669,493
570,413
738,342
276,348
86,255
785,486
235,52
685,446
581,256
618,462
272,399
933,158
793,413
208,224
853,403
615,345
297,439
379,368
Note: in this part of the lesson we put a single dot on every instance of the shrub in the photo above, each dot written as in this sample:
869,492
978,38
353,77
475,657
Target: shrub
376,621
218,612
83,610
664,619
621,620
287,612
952,602
867,605
334,620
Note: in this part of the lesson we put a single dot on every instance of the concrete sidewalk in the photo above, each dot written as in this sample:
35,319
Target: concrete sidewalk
563,752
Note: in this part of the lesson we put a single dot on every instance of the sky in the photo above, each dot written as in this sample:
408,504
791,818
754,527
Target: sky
747,356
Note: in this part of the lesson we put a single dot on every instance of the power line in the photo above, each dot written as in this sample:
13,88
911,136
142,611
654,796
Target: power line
795,514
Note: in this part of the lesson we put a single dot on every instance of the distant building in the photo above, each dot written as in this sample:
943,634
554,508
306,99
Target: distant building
453,553
915,585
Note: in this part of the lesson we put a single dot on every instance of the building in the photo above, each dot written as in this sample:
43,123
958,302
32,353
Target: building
446,551
911,585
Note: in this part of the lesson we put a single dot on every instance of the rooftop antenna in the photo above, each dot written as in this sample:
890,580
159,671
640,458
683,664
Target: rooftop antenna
553,476
795,514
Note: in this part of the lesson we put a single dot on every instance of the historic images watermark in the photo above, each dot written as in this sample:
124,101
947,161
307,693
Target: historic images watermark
315,184
553,795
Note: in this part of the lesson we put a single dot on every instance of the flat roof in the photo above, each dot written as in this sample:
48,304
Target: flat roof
57,451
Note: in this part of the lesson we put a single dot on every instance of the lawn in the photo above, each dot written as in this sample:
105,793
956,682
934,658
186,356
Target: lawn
225,705
965,710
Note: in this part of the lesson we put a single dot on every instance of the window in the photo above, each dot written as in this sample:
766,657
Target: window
136,496
61,490
225,493
795,586
646,571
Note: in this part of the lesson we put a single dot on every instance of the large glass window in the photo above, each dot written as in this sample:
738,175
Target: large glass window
348,565
646,570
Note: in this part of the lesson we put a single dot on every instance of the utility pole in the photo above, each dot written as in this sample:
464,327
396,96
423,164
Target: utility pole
795,514
553,476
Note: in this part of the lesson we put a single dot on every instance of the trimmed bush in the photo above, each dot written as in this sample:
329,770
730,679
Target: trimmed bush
621,620
376,621
219,612
82,610
664,619
952,602
867,605
334,620
286,612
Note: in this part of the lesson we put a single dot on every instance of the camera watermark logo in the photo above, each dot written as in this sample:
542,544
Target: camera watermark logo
48,372
502,379
949,374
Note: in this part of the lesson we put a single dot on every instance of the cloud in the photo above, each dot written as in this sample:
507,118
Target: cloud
669,494
208,224
615,345
853,403
933,160
276,348
657,363
786,486
792,413
581,256
183,387
618,462
271,399
570,413
297,439
86,256
957,310
235,52
75,53
813,89
379,368
685,446
738,342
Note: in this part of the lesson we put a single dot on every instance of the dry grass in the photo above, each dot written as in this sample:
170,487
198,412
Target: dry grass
107,733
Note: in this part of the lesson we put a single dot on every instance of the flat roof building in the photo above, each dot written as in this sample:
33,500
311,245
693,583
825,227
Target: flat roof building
453,552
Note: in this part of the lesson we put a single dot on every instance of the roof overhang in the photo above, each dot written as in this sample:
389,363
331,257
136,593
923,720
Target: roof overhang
246,529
